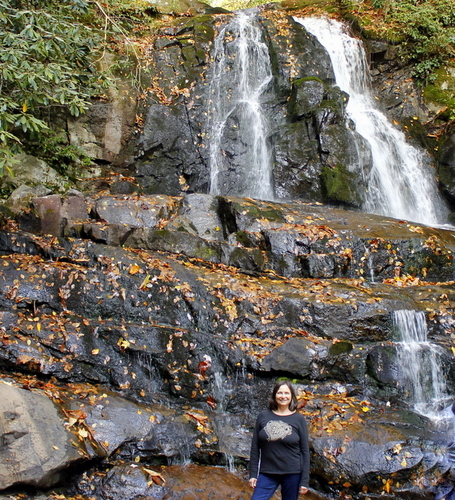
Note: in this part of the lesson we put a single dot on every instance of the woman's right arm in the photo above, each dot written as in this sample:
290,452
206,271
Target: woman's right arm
254,455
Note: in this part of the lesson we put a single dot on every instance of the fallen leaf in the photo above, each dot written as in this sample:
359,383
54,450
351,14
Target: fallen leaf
156,476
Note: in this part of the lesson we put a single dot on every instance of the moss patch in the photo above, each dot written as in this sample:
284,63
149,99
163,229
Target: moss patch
340,348
339,185
442,91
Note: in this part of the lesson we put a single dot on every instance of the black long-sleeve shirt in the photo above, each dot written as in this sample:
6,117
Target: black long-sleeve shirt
280,446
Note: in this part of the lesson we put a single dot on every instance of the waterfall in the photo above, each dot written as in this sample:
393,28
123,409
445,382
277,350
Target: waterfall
240,157
421,375
400,183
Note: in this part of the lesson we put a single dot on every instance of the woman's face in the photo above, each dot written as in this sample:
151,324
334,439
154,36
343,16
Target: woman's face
283,396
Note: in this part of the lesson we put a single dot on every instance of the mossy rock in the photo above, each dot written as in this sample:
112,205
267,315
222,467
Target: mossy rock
339,185
342,347
329,6
260,211
176,7
441,93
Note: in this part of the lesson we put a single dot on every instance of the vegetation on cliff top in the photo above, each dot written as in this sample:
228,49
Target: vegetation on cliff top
46,63
49,64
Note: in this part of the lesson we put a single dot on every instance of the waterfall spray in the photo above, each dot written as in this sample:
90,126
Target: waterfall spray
421,376
240,155
400,183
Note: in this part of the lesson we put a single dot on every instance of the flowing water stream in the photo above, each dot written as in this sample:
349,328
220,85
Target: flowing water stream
400,183
421,376
240,77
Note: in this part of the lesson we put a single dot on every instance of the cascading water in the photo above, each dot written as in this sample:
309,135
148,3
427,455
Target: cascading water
421,376
400,183
240,156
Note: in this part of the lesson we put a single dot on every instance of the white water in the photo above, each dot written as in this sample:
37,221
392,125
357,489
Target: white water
421,375
241,75
400,183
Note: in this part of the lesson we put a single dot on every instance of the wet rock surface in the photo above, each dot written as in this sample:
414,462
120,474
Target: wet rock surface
156,347
307,115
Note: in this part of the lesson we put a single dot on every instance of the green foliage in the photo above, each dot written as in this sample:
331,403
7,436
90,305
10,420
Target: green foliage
58,154
427,28
47,60
130,11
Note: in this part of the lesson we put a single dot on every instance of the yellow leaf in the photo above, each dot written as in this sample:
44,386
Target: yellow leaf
134,269
387,485
404,463
397,448
38,327
72,421
137,459
145,282
365,408
95,351
123,343
83,433
24,107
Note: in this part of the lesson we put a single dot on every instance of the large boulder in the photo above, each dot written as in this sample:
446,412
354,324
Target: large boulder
36,446
33,172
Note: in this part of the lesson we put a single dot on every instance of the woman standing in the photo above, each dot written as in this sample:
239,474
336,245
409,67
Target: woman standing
279,450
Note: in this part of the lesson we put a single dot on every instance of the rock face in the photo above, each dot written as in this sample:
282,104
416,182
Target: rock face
307,132
36,447
165,142
159,326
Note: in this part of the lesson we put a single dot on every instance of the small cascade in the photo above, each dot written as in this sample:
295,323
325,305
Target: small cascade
419,361
220,390
240,156
230,463
400,182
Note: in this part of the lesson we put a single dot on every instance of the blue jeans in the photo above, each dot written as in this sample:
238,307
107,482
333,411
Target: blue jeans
268,483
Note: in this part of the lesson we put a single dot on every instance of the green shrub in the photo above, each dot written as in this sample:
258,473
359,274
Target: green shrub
427,29
46,61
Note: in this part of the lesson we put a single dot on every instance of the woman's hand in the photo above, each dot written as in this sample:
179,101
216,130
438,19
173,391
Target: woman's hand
303,490
253,482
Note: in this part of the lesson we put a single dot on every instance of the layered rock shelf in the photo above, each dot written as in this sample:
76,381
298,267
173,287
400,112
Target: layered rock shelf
150,330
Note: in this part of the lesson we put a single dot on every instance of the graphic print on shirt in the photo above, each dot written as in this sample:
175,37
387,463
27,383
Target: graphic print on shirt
277,429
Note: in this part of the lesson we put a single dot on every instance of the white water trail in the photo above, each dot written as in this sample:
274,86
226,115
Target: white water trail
241,74
421,375
400,183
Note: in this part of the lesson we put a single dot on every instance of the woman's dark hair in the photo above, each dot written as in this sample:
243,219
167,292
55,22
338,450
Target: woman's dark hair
273,405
